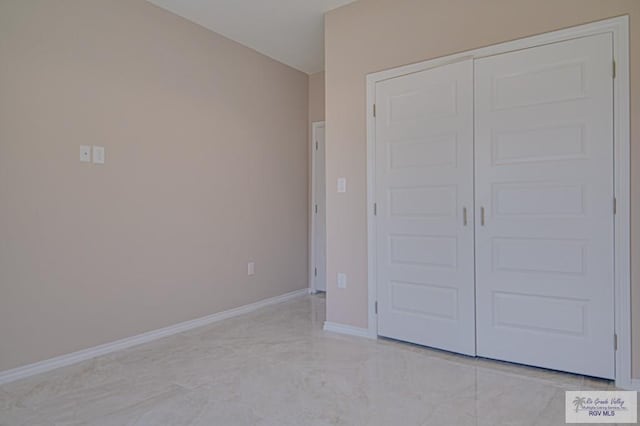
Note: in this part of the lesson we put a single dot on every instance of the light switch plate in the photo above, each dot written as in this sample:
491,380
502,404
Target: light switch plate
342,184
342,280
98,154
251,268
85,154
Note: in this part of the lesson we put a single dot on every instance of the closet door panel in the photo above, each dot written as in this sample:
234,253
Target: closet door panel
424,186
544,194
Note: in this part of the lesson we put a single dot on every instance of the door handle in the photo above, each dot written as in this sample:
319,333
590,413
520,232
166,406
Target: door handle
482,216
464,216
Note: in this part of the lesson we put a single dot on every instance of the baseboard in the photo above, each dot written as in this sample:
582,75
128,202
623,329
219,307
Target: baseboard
85,354
347,329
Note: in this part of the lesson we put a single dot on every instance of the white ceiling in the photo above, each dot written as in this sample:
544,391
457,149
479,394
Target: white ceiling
289,31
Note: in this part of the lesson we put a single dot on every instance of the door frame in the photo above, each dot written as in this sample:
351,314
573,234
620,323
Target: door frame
619,27
312,217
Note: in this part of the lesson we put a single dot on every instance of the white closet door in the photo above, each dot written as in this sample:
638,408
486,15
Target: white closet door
424,182
544,177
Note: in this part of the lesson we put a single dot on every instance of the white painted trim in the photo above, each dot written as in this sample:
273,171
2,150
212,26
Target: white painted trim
372,254
634,385
312,217
619,27
85,354
347,329
622,190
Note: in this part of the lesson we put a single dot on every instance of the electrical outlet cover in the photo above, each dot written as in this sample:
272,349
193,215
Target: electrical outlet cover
85,154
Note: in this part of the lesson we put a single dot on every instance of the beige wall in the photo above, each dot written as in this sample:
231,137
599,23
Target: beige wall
316,97
206,147
372,35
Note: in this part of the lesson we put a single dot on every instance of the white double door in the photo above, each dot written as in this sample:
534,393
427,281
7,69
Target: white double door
494,192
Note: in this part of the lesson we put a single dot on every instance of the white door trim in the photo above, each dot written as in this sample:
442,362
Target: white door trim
619,27
312,217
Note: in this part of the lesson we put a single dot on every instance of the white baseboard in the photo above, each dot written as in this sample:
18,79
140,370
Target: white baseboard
347,329
630,384
85,354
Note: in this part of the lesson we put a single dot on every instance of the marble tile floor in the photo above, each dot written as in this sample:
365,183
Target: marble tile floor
277,366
